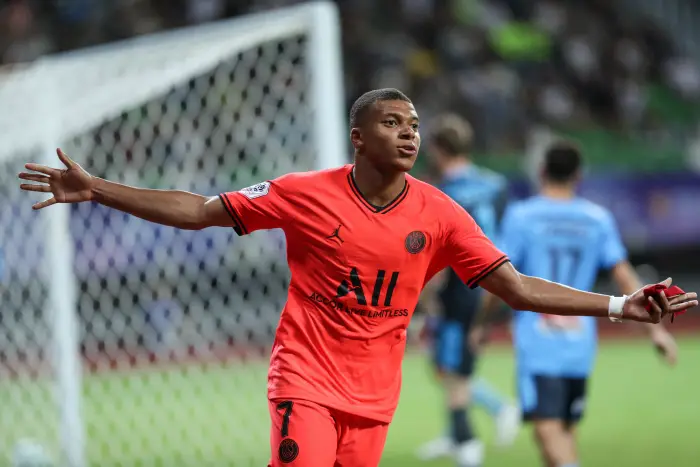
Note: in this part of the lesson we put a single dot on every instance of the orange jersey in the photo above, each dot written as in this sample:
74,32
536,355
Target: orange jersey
357,272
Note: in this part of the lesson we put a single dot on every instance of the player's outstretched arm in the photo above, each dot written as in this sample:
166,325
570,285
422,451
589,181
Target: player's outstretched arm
523,292
168,207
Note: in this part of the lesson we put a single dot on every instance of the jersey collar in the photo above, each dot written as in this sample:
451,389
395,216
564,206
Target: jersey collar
376,209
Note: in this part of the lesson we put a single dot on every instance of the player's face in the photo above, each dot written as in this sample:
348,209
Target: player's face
389,137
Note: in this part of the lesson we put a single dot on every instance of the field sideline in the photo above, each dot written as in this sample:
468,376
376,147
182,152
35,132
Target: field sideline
643,414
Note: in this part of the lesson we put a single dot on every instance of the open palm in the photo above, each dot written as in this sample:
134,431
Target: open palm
70,185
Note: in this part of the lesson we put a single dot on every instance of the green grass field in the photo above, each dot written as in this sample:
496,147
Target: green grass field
640,413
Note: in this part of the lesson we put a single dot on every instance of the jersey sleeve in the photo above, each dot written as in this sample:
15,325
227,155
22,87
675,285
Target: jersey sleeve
511,239
613,250
263,206
466,248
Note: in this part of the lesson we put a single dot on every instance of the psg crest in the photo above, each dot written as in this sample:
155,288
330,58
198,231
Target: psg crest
288,450
415,242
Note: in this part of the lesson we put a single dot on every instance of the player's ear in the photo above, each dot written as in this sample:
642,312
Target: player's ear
356,139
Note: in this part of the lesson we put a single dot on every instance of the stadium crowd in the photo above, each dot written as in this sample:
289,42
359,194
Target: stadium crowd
503,63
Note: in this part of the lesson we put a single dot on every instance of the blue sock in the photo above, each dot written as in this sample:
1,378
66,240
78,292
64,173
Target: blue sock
488,398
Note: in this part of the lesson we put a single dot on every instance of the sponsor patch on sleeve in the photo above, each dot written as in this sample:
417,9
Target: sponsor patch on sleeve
257,190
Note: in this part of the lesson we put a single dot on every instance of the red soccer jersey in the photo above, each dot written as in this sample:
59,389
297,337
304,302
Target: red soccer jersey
357,272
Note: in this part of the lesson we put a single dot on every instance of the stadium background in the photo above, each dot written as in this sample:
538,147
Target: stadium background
620,77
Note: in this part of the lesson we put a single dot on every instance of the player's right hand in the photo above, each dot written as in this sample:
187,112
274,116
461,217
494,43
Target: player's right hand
660,305
70,185
665,344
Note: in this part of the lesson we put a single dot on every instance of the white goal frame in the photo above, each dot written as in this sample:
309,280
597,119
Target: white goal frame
44,106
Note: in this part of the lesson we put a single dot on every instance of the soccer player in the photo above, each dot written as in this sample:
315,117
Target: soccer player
560,237
483,195
362,240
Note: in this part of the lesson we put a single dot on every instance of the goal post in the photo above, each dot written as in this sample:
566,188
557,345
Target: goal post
127,343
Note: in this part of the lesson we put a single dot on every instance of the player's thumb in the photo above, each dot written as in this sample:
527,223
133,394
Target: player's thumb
64,158
667,282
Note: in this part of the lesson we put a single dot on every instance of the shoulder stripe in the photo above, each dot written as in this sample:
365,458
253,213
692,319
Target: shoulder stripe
474,281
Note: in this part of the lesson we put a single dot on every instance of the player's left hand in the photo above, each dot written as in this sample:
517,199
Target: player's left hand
660,305
665,344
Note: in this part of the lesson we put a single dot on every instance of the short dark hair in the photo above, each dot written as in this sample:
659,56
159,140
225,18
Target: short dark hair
452,135
365,101
562,162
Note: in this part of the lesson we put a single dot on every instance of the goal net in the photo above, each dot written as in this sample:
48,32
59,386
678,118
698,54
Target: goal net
124,343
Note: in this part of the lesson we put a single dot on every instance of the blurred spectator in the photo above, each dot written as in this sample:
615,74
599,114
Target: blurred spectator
683,76
22,37
508,65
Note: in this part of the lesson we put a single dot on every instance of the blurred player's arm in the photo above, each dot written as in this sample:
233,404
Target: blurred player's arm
431,305
512,245
627,281
484,319
614,258
429,297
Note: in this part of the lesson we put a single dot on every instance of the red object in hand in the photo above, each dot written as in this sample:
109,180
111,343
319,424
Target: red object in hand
653,290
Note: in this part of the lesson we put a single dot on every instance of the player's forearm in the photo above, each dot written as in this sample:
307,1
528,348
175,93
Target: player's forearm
167,207
543,296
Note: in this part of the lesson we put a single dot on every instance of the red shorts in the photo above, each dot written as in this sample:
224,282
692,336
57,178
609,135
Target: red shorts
305,434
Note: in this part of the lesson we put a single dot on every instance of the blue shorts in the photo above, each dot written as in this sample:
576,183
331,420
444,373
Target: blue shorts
451,350
546,397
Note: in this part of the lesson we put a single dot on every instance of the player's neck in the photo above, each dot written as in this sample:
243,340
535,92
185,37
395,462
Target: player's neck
558,191
377,188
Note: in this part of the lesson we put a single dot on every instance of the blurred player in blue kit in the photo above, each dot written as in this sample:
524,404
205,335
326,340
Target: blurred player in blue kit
558,236
452,305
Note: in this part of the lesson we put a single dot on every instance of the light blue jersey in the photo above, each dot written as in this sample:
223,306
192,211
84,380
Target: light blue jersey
566,241
482,193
